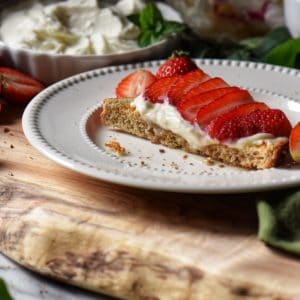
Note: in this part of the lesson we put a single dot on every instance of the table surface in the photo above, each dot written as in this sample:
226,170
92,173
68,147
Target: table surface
22,283
186,245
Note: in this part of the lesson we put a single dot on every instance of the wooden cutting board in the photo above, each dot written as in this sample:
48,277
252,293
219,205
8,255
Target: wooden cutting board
129,243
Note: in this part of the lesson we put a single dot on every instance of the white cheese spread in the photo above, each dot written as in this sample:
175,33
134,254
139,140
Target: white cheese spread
167,117
75,27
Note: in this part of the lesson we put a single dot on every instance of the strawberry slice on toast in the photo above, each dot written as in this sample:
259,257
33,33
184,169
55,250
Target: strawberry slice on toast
215,126
189,107
185,84
134,84
271,121
206,86
158,91
222,105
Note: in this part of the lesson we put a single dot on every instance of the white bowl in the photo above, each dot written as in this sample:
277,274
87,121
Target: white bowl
49,68
292,16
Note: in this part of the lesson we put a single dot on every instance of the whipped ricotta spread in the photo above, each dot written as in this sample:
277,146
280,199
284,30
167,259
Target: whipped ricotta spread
74,27
167,117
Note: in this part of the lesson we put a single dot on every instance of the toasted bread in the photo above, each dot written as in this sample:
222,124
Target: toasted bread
121,115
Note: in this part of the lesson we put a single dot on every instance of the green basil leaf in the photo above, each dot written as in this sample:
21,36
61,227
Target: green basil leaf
135,19
171,27
4,294
271,40
149,16
286,54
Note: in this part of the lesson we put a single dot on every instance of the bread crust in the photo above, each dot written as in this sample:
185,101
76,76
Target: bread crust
119,114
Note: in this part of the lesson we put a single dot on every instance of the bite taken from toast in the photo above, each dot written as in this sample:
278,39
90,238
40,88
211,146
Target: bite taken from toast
182,107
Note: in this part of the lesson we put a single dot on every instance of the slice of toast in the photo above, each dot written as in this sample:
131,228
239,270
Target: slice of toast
119,114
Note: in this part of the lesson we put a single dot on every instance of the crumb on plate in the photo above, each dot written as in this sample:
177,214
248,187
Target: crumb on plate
209,161
116,148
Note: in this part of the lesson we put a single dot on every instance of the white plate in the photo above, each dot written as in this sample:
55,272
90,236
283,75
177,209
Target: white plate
62,122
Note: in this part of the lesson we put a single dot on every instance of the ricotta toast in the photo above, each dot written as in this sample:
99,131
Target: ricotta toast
183,107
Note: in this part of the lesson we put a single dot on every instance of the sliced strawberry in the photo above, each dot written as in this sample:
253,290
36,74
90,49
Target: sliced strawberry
134,84
176,65
271,121
158,91
211,84
294,143
18,87
214,127
185,84
189,107
222,105
13,75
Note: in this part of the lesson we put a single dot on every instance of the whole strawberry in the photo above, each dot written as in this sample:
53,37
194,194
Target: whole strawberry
177,64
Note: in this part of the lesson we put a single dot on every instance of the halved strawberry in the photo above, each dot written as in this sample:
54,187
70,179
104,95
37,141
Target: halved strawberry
185,84
189,107
208,85
294,143
215,126
17,86
134,84
177,64
271,121
222,105
157,92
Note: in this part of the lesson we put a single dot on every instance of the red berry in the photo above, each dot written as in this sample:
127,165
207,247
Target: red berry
185,84
157,92
216,124
177,65
271,121
222,105
17,87
189,107
208,85
134,84
294,143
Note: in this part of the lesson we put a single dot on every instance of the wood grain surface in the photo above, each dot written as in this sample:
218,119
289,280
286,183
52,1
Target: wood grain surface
130,243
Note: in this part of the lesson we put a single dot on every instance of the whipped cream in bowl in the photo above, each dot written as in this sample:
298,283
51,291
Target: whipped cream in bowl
76,27
51,40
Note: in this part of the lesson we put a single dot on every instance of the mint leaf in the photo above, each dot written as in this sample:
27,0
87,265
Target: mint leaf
147,38
150,16
153,27
4,294
135,19
286,54
171,27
